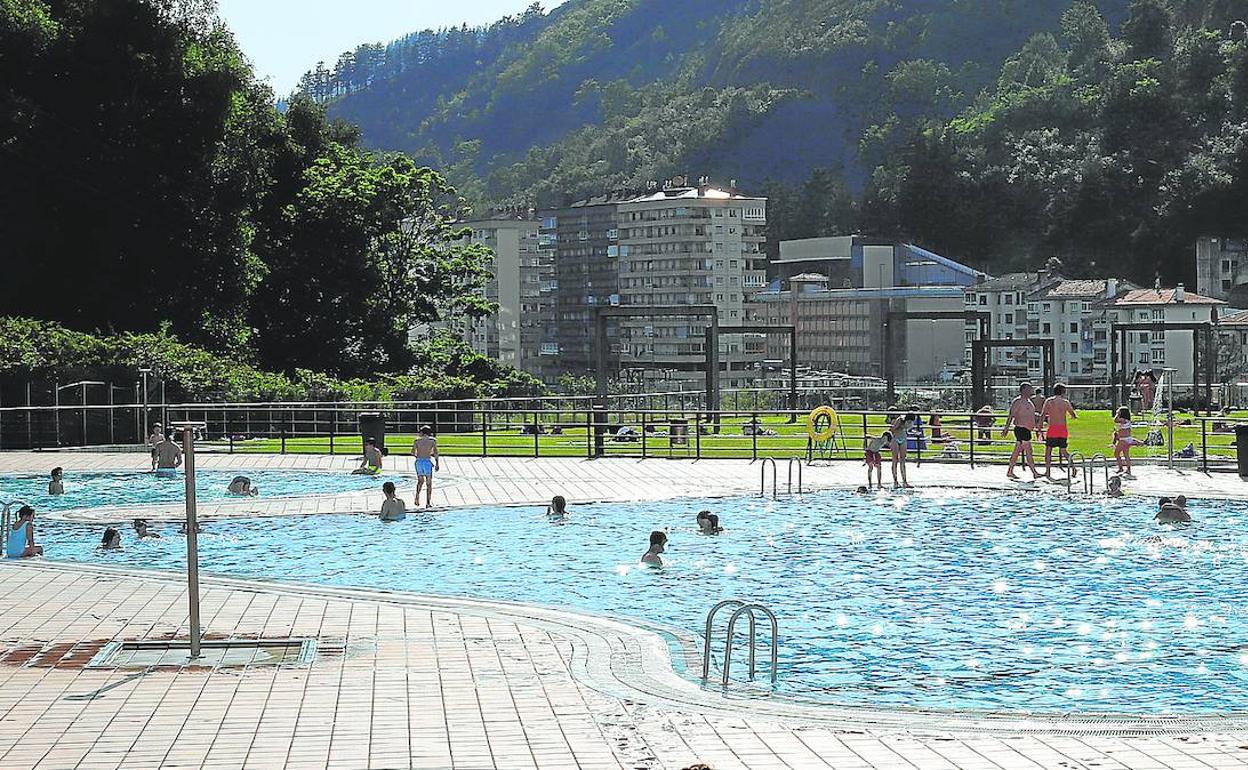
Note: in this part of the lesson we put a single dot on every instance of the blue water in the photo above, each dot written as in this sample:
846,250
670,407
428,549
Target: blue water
940,599
136,488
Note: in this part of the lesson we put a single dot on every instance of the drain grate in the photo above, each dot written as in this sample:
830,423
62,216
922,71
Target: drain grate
223,653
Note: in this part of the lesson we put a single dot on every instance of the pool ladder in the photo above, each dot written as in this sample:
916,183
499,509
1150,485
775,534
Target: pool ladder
1088,466
775,491
6,521
739,608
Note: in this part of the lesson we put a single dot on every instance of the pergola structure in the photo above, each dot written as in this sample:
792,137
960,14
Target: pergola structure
979,365
711,351
1204,353
788,329
983,317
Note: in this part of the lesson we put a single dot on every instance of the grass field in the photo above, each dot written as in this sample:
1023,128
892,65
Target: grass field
1090,434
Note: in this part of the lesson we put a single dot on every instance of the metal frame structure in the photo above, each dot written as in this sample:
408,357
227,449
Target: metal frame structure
890,368
788,329
711,353
1204,334
979,365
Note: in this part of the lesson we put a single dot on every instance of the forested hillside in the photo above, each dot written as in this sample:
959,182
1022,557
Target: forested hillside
998,131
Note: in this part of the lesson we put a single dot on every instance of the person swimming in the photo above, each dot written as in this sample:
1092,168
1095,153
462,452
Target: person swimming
658,544
708,523
141,531
558,507
1114,489
1173,511
57,486
111,540
392,508
241,485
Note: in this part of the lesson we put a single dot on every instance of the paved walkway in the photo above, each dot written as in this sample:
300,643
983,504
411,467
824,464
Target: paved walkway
468,481
404,681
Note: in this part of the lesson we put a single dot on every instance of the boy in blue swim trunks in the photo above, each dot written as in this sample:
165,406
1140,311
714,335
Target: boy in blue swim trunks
425,450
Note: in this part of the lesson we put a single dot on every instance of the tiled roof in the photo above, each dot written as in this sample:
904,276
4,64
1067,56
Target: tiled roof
1007,282
1235,318
1082,289
1161,297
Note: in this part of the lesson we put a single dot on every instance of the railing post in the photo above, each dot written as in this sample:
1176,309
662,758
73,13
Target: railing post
537,431
589,433
643,435
333,426
1204,446
753,436
283,439
974,430
485,427
697,435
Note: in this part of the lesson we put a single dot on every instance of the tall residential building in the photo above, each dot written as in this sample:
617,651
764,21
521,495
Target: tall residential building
1222,269
690,245
1005,299
585,240
1071,314
522,283
838,293
678,244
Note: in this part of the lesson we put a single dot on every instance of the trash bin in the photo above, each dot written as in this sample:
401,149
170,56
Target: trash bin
678,432
373,425
1241,449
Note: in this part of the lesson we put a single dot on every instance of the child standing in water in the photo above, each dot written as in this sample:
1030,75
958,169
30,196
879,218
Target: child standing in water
658,544
1123,441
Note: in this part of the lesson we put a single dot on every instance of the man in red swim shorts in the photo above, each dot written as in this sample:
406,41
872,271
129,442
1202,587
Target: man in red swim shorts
1056,409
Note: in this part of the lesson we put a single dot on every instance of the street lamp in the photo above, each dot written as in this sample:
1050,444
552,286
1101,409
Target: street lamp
192,529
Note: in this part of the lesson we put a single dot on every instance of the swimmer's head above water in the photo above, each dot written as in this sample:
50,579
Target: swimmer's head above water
558,506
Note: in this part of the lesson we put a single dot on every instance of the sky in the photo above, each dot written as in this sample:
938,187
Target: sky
285,38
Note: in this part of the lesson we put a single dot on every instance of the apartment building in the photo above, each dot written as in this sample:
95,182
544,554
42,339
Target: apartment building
690,245
1070,312
1005,299
1222,269
842,300
1159,350
522,284
673,244
584,237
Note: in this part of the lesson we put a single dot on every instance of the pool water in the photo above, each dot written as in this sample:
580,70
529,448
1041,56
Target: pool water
137,488
942,599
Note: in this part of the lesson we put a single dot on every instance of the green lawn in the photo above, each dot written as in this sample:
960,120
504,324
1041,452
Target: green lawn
1090,434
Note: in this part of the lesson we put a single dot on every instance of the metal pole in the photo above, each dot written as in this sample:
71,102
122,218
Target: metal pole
56,412
144,372
192,538
84,413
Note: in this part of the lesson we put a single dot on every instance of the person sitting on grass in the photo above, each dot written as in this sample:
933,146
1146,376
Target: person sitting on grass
392,508
111,540
558,508
370,465
241,485
1173,511
658,544
21,543
141,531
56,486
708,523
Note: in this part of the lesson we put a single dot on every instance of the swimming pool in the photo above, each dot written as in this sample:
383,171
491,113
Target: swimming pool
138,488
945,599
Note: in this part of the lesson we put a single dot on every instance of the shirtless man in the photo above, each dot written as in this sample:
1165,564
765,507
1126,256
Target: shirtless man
392,508
1057,433
168,455
1021,417
158,435
425,450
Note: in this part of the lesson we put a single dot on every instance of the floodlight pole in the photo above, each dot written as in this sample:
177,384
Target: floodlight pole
144,371
192,535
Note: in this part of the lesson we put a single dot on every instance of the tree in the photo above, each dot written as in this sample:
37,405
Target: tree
1148,31
1086,35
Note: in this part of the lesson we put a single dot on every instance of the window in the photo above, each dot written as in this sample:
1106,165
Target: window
1047,328
1074,347
983,299
1048,307
1009,299
1074,328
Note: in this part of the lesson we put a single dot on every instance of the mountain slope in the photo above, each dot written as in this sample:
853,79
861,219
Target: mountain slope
611,92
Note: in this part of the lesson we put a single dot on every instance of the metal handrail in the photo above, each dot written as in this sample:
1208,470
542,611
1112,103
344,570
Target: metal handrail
706,644
1087,471
1105,462
789,469
762,479
749,610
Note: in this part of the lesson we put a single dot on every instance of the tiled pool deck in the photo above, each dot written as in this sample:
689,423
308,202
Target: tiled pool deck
402,681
